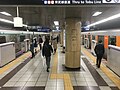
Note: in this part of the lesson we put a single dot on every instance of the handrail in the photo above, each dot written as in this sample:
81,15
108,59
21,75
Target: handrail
6,44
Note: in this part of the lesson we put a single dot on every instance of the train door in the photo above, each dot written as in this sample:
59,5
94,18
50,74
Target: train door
89,41
82,39
85,40
104,41
86,44
93,44
22,38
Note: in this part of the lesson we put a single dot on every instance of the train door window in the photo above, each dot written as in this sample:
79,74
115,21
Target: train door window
2,39
93,37
101,38
112,40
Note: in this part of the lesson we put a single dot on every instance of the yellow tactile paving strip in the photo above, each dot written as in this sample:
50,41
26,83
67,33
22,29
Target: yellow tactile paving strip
111,75
17,60
65,77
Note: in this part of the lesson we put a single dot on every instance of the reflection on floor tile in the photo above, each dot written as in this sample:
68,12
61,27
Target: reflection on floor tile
30,84
20,83
9,84
104,88
92,83
50,88
40,84
82,83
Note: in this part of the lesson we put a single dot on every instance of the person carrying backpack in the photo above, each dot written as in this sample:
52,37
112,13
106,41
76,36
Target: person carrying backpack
99,51
46,51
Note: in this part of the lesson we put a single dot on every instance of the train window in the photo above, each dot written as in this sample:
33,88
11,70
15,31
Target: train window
2,39
13,38
22,38
112,40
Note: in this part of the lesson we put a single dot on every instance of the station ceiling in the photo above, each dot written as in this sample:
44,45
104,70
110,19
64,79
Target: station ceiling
46,15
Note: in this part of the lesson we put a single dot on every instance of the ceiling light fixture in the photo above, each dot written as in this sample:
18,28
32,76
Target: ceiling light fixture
105,20
7,21
5,13
56,23
57,27
97,13
18,21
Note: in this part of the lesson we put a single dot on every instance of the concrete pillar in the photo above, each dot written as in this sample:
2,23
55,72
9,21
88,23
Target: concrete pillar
73,50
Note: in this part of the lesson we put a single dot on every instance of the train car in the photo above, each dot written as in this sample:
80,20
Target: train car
15,43
22,39
109,37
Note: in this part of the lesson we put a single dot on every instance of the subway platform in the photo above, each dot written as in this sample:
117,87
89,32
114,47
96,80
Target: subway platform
25,73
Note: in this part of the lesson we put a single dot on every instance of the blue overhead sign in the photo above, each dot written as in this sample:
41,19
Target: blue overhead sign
57,2
43,29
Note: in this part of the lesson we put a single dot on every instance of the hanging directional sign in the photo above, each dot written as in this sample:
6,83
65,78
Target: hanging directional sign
57,2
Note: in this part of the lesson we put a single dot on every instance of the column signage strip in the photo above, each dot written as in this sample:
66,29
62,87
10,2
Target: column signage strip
57,2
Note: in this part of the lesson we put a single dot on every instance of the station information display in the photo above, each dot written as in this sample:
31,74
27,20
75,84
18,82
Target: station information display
57,2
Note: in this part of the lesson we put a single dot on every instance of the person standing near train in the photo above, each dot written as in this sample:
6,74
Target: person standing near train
40,42
32,48
99,51
46,51
54,45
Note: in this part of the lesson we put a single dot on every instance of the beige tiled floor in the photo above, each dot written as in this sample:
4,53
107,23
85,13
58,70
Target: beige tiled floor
34,74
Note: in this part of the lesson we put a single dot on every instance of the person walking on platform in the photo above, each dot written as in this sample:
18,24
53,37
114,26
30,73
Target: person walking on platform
57,38
99,50
35,45
32,48
55,45
46,51
40,42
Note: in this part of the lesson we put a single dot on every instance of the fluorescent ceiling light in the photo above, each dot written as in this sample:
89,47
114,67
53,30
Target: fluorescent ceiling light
56,23
7,21
57,27
97,13
105,20
25,25
5,13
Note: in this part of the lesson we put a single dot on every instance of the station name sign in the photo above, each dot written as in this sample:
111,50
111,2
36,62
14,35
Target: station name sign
57,2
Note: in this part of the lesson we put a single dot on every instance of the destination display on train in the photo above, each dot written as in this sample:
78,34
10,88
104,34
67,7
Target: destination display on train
57,2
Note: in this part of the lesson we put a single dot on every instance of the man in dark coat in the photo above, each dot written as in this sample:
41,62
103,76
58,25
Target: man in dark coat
32,48
40,42
46,51
99,50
